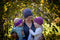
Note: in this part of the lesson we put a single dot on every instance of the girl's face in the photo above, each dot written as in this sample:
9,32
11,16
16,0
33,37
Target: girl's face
29,18
36,25
21,24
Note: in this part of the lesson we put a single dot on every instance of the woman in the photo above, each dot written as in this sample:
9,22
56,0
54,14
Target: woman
28,23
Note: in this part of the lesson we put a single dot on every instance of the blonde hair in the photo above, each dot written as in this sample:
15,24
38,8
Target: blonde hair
16,20
42,28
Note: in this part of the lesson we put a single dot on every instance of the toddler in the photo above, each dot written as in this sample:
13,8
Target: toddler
18,28
38,21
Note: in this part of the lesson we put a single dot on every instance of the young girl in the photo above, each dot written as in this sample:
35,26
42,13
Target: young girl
38,21
18,28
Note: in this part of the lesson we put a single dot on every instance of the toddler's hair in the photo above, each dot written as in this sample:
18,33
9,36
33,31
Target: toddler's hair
17,21
42,28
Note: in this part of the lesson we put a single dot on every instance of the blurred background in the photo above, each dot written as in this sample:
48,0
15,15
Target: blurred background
48,9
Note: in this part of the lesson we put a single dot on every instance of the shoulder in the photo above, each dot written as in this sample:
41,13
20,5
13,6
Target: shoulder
14,27
38,29
21,27
17,28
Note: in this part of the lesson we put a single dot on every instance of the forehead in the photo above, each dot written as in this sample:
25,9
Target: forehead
30,16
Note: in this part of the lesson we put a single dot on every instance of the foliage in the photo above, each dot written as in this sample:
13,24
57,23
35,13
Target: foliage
49,10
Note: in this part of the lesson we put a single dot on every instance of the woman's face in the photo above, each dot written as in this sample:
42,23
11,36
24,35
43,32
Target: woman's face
29,18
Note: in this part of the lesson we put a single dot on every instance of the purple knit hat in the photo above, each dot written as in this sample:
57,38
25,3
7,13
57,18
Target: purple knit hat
19,22
39,20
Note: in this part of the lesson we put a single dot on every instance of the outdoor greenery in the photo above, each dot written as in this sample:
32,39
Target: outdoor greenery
48,9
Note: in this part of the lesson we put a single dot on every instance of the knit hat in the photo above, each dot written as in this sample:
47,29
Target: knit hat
39,20
19,21
27,12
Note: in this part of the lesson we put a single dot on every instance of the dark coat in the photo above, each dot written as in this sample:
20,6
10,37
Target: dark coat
26,30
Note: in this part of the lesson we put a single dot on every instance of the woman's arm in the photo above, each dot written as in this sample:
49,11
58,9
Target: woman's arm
38,31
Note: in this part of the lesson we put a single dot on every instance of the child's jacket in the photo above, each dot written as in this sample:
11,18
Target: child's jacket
18,30
37,33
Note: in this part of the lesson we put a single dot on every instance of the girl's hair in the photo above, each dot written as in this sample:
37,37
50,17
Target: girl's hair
42,28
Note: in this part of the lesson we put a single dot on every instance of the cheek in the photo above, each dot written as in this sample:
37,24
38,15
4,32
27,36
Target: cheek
20,24
34,24
30,18
26,19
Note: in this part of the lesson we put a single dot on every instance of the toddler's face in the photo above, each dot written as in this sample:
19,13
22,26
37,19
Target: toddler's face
36,25
20,24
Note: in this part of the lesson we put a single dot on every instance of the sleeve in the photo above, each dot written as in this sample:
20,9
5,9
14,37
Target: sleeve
21,28
19,35
29,37
38,31
13,29
23,32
